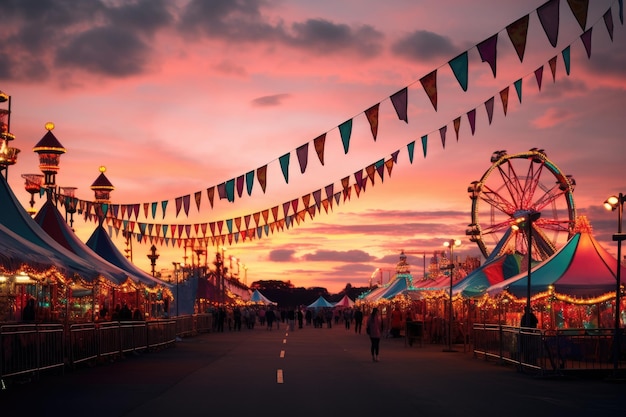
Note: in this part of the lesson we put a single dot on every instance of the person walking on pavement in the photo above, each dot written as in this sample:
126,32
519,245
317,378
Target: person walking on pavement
358,320
374,330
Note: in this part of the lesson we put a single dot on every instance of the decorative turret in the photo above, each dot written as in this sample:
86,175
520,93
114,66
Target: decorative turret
50,151
8,154
102,188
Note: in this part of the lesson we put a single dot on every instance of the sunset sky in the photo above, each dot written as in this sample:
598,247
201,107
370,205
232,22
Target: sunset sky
174,97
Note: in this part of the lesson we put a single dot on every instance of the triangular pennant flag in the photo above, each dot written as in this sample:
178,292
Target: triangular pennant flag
394,156
488,51
429,83
230,190
136,210
608,22
187,229
319,143
518,33
220,225
489,108
372,118
203,226
424,144
552,63
358,179
257,217
337,198
240,184
518,89
370,170
306,200
504,97
229,225
389,165
154,209
246,220
294,204
249,182
460,70
317,197
212,228
146,206
286,206
586,38
330,189
302,152
197,197
471,117
163,207
411,148
261,174
442,134
539,76
284,166
221,191
400,103
457,127
549,17
345,130
186,201
179,204
266,215
579,9
275,212
210,192
566,54
238,223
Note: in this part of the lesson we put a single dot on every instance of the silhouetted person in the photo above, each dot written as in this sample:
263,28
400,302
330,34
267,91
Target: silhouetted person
358,320
374,330
28,313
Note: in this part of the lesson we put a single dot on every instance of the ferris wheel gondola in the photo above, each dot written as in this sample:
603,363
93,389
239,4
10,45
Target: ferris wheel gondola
516,184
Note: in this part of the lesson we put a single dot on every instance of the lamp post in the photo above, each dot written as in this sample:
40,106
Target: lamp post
612,203
176,265
451,244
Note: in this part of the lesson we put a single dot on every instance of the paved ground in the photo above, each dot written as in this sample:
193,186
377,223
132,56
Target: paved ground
307,372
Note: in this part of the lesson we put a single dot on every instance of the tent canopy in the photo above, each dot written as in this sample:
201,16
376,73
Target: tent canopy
321,302
344,302
259,298
490,273
581,268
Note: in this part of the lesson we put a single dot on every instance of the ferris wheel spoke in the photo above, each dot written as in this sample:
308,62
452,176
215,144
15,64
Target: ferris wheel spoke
511,183
531,183
497,201
547,198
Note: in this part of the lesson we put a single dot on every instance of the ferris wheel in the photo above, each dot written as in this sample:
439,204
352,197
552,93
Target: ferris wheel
515,188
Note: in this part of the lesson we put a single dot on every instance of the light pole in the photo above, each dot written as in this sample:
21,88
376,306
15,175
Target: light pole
612,203
176,265
451,244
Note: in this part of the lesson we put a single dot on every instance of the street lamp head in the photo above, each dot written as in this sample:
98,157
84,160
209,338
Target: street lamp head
612,202
452,243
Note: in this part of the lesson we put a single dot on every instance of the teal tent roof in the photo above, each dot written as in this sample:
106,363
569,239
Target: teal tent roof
581,269
490,273
321,302
259,298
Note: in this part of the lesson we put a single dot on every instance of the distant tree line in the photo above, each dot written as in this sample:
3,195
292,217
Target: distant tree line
287,295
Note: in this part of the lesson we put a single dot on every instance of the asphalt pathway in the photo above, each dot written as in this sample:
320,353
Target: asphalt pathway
306,372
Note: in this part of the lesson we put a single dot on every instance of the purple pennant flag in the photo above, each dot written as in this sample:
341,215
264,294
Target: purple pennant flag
586,38
240,184
442,133
489,108
548,15
179,201
186,200
487,50
329,191
608,22
303,156
539,76
471,117
400,103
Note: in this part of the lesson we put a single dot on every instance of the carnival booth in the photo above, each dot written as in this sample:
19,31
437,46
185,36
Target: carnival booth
575,288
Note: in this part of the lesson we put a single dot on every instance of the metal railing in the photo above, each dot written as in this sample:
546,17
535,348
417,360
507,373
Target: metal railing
549,351
28,349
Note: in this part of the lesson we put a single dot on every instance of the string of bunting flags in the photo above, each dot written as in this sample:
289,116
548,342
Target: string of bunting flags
249,226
